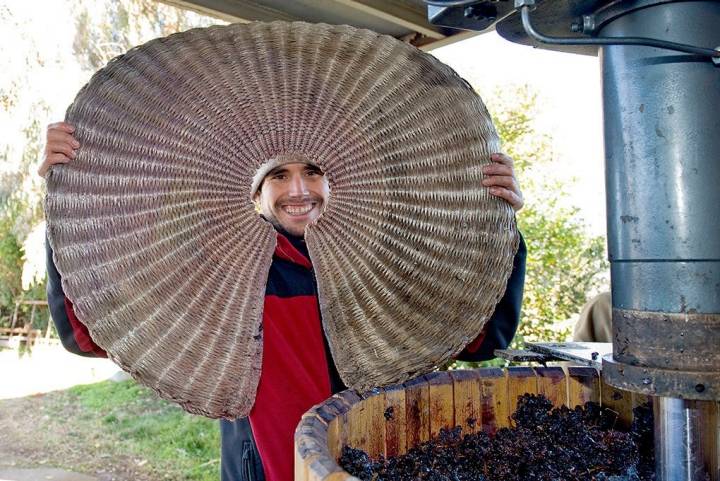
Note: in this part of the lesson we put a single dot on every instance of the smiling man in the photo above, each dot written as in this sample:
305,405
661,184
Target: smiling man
290,192
297,367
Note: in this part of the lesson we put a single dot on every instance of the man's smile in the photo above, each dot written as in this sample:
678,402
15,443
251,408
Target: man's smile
297,210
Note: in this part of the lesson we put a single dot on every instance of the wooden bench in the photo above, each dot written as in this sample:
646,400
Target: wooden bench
16,336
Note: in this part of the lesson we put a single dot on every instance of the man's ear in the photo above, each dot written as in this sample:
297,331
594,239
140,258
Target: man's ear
256,201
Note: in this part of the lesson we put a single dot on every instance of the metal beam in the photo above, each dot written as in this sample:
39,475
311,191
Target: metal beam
242,11
204,10
449,40
396,14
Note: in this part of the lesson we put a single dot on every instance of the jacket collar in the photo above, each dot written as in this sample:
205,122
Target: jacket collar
292,248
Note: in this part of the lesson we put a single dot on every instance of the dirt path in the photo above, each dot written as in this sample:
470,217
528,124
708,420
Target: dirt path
33,435
33,431
35,474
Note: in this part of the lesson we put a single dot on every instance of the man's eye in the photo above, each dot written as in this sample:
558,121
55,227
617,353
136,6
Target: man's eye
279,176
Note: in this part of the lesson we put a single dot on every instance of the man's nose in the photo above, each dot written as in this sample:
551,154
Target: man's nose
298,186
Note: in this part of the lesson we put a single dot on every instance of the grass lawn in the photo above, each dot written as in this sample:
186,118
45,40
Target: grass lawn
129,421
182,445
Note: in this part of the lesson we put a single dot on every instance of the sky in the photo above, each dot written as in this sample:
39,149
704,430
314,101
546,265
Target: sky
569,95
38,57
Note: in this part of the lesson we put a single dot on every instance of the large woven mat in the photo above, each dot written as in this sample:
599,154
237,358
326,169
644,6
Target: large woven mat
166,261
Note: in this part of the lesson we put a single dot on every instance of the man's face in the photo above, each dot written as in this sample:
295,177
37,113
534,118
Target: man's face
293,195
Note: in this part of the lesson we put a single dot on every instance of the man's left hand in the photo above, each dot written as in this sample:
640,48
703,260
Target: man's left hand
500,178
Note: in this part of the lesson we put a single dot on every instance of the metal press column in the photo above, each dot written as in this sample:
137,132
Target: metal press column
661,95
662,143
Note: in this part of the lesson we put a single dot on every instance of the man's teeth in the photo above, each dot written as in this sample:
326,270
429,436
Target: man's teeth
298,209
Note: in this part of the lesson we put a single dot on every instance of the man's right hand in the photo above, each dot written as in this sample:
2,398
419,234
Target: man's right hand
60,147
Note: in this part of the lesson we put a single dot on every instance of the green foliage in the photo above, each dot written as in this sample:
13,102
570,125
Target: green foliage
565,264
10,261
20,210
137,424
103,30
497,362
513,115
21,109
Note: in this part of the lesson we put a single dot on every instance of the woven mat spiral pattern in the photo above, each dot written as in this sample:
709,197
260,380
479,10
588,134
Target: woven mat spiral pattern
166,261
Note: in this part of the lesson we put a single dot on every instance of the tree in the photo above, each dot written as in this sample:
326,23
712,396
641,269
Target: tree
102,34
10,261
55,67
20,191
565,265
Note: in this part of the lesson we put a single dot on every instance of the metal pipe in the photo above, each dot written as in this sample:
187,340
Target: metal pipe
687,439
618,40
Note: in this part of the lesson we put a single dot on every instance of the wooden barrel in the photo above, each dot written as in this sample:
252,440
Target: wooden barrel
390,421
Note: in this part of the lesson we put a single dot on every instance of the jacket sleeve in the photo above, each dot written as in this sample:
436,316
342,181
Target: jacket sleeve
73,334
500,329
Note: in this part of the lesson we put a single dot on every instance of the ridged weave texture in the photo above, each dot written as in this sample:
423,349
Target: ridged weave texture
166,261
